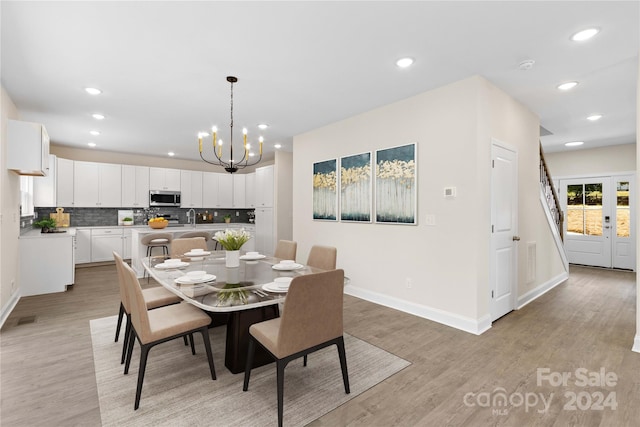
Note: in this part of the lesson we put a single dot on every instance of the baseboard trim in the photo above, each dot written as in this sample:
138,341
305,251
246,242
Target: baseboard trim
463,323
542,289
8,308
636,344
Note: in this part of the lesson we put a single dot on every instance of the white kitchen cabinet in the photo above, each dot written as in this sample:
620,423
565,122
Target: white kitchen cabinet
126,244
46,264
239,191
250,190
190,189
264,231
97,185
104,241
44,187
135,186
217,190
83,246
163,179
64,183
27,148
264,187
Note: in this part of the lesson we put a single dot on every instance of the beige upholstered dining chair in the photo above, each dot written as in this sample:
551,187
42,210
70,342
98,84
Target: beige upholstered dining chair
181,246
312,320
154,297
153,327
323,257
205,234
286,249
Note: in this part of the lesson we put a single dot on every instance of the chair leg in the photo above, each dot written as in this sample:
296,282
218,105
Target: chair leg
127,333
193,347
280,364
343,364
132,338
207,345
120,315
186,340
144,352
247,369
304,360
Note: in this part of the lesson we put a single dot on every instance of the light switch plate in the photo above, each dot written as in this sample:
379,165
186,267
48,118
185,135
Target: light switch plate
449,192
431,220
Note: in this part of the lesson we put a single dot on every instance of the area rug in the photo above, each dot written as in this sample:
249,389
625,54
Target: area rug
178,390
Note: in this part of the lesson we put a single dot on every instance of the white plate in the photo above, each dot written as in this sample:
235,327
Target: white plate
275,287
185,280
286,267
252,258
164,266
197,253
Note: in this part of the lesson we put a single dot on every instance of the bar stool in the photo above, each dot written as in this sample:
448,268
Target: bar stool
156,240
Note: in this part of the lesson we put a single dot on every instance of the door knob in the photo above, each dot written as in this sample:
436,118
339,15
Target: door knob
516,238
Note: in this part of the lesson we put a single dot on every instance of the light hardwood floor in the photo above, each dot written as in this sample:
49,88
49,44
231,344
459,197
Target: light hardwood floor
47,374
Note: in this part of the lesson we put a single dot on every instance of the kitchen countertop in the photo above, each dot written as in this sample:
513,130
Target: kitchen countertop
36,234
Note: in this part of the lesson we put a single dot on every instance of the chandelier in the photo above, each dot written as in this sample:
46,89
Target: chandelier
233,164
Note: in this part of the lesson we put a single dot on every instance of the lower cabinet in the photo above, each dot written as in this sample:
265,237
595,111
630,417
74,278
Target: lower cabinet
83,246
104,241
46,264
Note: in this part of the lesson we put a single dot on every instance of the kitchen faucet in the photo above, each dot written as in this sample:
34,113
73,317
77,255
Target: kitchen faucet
191,213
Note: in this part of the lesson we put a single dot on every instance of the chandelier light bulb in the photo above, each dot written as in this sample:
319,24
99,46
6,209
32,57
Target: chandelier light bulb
214,129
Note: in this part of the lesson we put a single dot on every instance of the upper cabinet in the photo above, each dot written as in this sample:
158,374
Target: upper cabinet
264,187
190,189
135,186
217,190
27,148
44,188
163,179
239,191
97,185
64,182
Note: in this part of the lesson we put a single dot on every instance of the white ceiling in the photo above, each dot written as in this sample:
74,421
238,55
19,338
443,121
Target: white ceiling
162,66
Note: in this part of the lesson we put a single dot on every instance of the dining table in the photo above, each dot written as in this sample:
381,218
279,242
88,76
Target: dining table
234,296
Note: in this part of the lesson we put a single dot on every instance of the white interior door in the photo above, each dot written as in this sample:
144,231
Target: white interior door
594,227
504,225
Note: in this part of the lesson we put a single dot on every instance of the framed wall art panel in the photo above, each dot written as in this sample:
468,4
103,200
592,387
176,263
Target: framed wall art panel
325,190
356,188
396,181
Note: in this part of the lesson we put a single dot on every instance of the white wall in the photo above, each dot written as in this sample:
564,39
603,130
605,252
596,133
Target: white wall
10,221
616,158
283,186
636,344
449,262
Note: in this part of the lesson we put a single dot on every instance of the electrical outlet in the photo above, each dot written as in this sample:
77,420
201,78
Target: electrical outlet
237,213
215,213
431,219
409,282
13,286
22,224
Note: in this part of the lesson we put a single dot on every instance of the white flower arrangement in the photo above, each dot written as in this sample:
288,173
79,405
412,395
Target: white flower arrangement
232,240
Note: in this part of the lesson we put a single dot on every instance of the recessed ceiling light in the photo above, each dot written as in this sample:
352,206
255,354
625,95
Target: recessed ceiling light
263,126
97,116
573,144
91,144
526,65
568,85
278,145
171,154
93,91
94,133
404,62
594,117
583,35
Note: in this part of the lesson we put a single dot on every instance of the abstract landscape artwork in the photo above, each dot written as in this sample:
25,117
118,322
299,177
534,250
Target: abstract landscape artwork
396,185
325,196
355,188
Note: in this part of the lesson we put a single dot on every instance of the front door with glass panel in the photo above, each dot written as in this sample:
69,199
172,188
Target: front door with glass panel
598,223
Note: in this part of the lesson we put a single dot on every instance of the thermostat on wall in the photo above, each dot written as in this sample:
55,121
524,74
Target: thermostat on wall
449,192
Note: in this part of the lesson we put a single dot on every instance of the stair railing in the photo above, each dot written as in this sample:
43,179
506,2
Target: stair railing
551,195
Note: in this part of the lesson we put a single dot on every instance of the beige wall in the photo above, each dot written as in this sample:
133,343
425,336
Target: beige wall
448,263
10,210
283,186
636,345
613,159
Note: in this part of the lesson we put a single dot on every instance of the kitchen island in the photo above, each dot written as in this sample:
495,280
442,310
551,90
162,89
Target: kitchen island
139,251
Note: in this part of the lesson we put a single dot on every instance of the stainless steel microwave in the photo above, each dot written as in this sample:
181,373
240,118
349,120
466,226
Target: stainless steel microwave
164,198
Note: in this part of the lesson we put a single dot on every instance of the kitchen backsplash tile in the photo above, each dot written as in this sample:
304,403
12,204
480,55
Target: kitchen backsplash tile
99,217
